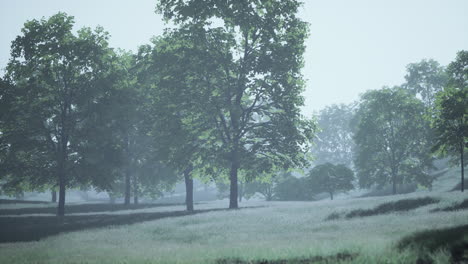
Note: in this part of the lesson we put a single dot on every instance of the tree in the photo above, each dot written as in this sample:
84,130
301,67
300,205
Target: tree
248,71
390,139
334,142
290,188
425,79
129,120
57,81
331,178
178,129
450,120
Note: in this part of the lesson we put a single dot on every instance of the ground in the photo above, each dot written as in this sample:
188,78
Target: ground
422,227
265,231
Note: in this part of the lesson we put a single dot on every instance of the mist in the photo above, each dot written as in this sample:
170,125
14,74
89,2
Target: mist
233,131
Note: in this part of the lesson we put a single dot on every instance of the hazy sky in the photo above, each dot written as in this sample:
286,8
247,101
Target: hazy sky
355,45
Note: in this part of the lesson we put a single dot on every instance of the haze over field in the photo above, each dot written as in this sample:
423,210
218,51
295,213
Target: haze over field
237,132
354,46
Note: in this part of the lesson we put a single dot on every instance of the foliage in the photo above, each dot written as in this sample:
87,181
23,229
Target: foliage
331,178
57,80
248,70
264,187
290,188
390,139
334,142
425,79
450,118
130,120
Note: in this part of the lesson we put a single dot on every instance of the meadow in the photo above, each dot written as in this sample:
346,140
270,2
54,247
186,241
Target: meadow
264,232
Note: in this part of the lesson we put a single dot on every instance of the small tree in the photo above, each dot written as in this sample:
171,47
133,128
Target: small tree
450,117
331,178
290,188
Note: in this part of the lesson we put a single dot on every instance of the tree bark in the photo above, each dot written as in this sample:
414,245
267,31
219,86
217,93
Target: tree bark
241,191
188,188
61,178
233,186
135,189
61,203
54,196
462,166
127,186
394,181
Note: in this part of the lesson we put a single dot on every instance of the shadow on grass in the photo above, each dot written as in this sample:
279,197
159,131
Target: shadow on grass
385,208
460,206
316,259
33,228
80,208
454,239
458,187
9,201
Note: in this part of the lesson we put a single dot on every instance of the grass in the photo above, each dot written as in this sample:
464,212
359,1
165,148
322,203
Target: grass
77,208
385,208
463,205
10,201
279,232
453,239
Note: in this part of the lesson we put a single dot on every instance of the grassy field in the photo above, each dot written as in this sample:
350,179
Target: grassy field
274,232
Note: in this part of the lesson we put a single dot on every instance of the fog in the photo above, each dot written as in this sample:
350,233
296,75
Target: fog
354,46
233,131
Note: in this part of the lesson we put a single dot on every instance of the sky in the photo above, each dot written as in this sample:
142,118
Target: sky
354,46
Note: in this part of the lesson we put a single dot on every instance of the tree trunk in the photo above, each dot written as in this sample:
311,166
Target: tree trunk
331,195
54,196
62,180
241,191
462,167
233,186
135,189
394,182
188,188
61,203
127,186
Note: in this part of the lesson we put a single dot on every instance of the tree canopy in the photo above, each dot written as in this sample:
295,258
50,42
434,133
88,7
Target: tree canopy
57,79
451,112
250,71
390,139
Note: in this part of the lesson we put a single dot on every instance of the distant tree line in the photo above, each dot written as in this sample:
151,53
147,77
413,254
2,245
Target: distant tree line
393,135
390,136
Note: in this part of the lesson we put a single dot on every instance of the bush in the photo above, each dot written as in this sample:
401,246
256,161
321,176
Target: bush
293,189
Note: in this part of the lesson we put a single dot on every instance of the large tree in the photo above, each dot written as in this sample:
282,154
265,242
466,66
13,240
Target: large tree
248,69
450,119
390,139
57,79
